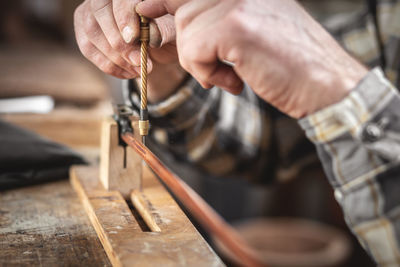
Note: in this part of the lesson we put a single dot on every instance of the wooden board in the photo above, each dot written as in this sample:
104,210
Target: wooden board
45,225
126,244
120,168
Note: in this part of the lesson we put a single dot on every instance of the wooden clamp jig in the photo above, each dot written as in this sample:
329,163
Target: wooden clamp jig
136,219
120,167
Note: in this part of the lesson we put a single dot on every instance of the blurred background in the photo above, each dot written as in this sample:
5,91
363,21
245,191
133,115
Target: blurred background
39,57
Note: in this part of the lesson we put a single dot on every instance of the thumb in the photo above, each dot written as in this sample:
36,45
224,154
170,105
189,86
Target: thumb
162,31
158,8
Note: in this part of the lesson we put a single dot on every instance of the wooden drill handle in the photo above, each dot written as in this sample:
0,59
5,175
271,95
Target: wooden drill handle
205,215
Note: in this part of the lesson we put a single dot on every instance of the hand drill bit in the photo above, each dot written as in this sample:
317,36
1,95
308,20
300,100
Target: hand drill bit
144,42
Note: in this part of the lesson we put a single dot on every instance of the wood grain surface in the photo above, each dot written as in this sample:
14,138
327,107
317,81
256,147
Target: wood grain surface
125,241
198,208
145,208
120,167
45,225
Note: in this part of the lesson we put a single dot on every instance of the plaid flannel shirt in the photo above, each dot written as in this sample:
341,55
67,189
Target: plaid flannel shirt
358,139
223,135
358,142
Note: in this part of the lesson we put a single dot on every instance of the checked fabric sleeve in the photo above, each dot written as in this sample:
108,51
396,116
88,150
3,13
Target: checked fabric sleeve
358,142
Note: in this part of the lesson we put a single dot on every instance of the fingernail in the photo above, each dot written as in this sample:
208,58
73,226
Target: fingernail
127,34
134,57
137,8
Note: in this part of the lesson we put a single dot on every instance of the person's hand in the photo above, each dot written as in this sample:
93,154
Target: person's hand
158,8
107,32
285,56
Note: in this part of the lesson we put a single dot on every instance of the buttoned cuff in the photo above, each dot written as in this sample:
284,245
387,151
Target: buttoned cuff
370,113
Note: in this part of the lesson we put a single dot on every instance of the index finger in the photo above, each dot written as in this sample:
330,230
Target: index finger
158,8
127,19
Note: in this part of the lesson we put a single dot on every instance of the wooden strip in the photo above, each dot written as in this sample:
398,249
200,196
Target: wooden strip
143,207
208,218
107,210
178,243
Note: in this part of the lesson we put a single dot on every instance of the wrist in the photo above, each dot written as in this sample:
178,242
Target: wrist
336,81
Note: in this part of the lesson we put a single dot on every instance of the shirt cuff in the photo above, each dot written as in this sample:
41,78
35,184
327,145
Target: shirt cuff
368,113
179,110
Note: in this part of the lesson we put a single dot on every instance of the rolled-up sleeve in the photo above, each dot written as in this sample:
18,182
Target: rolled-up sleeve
358,142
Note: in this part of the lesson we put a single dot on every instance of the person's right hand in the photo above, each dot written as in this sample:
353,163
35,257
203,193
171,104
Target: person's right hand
275,46
107,32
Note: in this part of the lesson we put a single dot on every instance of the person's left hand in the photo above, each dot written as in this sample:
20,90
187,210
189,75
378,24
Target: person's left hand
107,33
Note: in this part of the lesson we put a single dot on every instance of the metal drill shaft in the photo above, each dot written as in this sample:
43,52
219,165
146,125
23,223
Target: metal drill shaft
144,39
143,67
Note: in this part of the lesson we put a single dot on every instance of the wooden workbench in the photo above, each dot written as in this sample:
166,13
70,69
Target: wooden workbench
45,225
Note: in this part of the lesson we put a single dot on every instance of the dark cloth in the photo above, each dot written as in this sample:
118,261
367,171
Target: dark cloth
27,158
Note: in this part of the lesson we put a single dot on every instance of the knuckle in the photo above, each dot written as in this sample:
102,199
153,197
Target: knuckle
122,13
85,47
184,63
96,5
108,51
233,20
117,44
90,24
204,83
80,16
121,62
108,67
181,19
193,56
78,12
236,55
185,58
204,75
